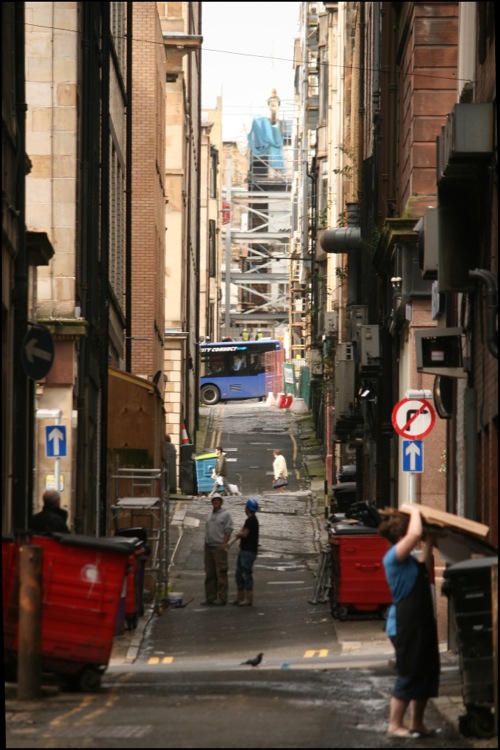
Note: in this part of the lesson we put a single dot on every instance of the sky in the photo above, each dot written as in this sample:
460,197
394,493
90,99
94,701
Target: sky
247,51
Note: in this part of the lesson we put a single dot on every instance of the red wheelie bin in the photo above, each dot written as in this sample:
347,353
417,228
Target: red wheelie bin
9,562
134,607
82,582
359,586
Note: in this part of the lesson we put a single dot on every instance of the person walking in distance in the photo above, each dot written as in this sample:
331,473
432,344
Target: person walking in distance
220,473
280,471
52,518
411,623
218,530
249,542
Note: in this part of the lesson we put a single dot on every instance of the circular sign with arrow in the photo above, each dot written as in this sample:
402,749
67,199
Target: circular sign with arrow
38,352
413,418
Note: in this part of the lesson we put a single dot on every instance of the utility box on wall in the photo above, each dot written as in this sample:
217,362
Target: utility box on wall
430,254
439,351
369,345
344,378
457,241
330,322
356,317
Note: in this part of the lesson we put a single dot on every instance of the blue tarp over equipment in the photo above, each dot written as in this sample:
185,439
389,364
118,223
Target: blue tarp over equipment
266,143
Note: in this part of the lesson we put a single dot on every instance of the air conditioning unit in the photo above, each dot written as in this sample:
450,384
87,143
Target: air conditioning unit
357,317
330,322
430,255
345,352
457,235
344,378
369,345
469,131
412,283
466,137
439,351
316,362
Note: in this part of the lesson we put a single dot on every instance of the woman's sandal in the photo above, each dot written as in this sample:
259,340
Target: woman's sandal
399,733
424,735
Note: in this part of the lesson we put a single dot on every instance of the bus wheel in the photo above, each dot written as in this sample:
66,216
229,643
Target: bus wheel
210,395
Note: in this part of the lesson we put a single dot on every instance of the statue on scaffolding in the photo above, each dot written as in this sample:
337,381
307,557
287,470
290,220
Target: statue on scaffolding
273,104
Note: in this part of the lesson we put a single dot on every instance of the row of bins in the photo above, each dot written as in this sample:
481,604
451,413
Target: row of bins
132,603
84,583
468,585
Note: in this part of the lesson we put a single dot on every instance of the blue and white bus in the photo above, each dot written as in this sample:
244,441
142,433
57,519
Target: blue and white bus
234,369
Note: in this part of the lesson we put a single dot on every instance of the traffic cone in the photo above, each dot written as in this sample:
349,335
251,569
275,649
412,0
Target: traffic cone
185,439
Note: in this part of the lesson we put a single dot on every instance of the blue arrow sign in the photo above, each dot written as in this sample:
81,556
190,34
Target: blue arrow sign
37,354
55,441
413,455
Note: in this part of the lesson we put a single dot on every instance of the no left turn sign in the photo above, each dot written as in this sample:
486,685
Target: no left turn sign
413,418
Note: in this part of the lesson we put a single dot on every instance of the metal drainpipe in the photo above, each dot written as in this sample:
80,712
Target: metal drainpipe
196,363
376,112
305,203
23,390
491,283
102,447
128,198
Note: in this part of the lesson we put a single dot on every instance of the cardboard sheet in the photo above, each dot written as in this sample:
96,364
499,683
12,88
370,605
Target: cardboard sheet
458,538
435,517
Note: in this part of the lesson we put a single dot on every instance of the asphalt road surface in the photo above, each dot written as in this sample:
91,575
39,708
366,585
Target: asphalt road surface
188,687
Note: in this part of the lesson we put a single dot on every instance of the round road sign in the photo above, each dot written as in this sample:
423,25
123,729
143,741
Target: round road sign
413,418
37,354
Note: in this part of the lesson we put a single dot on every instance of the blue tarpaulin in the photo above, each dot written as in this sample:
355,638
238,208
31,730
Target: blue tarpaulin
266,144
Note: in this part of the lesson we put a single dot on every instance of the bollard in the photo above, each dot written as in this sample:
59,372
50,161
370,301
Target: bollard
29,666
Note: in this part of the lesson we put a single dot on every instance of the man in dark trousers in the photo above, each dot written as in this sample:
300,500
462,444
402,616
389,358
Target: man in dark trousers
52,518
249,542
218,530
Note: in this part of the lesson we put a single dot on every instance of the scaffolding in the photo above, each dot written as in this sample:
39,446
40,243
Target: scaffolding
141,499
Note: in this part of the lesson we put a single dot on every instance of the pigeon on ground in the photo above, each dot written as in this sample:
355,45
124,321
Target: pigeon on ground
255,661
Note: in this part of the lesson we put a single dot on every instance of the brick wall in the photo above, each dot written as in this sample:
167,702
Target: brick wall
427,92
148,203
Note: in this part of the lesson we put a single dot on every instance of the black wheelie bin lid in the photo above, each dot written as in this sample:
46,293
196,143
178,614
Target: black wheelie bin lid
131,531
117,544
477,565
348,529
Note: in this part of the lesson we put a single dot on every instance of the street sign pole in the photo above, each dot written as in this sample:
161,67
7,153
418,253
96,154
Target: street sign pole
57,465
412,487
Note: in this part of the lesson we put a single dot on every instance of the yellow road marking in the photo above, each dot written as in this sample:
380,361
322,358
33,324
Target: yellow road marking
84,704
164,660
108,704
322,652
